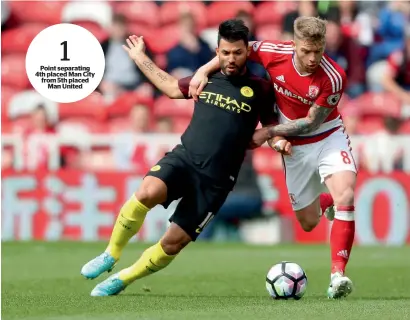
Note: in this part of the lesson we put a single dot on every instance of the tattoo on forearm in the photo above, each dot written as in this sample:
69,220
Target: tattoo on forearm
316,116
163,77
148,65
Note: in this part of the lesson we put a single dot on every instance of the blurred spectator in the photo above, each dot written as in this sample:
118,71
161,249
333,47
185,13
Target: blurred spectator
255,68
121,73
36,148
392,24
164,125
381,152
397,78
127,155
354,23
244,202
191,52
305,8
346,52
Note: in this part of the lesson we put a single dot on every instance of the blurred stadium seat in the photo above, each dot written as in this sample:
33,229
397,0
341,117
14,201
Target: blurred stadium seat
139,12
169,107
13,71
47,12
18,40
220,11
93,106
272,12
172,10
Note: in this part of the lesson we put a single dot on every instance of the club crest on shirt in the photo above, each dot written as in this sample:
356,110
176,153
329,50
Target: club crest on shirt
313,92
247,92
292,199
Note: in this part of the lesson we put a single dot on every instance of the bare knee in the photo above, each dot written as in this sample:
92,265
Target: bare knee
308,225
152,192
174,240
345,197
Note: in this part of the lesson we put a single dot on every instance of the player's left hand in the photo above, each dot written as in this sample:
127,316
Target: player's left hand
136,46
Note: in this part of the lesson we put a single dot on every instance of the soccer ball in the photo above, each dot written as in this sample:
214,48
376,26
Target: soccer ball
286,280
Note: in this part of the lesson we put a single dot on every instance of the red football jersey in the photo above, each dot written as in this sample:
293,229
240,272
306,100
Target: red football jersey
295,93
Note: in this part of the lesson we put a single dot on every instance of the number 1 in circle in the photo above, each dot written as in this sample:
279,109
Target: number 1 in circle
64,44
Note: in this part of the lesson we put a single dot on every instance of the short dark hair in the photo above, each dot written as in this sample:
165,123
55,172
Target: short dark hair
233,30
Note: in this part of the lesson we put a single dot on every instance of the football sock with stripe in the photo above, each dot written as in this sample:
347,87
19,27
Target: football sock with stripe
342,237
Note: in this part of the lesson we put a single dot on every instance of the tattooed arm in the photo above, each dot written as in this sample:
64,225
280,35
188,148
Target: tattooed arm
316,116
159,78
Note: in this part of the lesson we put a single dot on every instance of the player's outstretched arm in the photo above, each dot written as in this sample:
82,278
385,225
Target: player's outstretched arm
159,78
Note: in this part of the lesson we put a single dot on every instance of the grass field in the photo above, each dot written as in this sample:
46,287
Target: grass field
222,281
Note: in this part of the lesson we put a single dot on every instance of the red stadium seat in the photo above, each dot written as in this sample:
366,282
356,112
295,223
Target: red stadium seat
165,106
370,125
220,11
164,39
141,12
371,103
97,30
81,124
272,12
171,11
123,104
269,32
13,71
180,123
18,40
37,11
117,125
93,106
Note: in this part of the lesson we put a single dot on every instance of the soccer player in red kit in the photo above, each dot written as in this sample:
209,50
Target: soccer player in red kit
308,86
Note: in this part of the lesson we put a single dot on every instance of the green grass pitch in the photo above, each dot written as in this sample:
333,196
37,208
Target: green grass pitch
208,281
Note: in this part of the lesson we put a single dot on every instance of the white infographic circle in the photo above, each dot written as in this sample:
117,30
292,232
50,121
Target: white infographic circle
65,63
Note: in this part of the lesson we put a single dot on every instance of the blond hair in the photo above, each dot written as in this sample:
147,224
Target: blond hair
310,29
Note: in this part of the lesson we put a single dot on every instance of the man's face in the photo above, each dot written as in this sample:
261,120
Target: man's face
139,118
308,54
232,57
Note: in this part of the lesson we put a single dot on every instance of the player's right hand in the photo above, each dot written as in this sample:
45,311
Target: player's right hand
197,84
281,145
136,46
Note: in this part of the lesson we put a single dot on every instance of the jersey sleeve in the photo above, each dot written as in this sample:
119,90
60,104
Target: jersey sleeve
183,85
262,53
332,89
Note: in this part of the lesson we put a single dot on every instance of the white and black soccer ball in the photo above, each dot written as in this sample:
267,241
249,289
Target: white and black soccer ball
286,280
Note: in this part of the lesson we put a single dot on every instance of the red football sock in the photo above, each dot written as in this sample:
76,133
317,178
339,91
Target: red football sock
326,201
341,237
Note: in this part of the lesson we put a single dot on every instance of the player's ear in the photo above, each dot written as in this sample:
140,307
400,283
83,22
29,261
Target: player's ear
293,44
248,51
217,51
